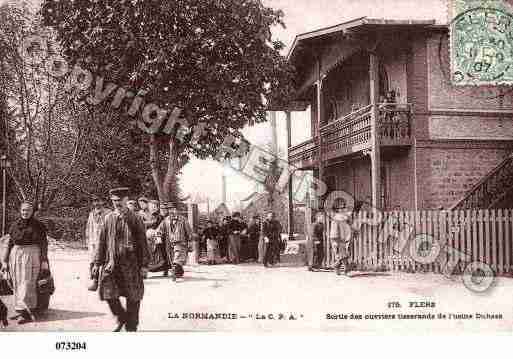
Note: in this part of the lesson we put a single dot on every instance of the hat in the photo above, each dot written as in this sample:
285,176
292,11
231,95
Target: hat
167,205
118,193
97,200
143,199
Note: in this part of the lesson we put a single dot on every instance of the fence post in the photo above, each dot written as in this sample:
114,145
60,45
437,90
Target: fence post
480,221
487,237
501,240
507,239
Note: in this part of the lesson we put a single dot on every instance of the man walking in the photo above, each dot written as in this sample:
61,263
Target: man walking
94,224
236,228
340,236
271,231
121,261
254,237
175,233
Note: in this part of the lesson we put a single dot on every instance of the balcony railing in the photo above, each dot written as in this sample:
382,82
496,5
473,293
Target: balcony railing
395,125
352,133
491,189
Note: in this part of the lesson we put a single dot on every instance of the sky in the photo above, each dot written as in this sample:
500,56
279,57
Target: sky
300,16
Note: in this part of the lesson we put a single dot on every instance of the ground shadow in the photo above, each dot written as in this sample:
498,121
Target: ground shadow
53,315
203,279
369,274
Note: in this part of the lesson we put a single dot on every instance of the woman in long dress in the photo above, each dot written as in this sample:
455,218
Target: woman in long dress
25,257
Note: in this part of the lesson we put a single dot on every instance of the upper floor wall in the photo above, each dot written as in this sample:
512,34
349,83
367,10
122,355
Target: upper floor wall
462,112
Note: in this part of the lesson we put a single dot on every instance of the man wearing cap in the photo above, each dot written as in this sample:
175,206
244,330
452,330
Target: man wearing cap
175,233
236,228
271,231
132,205
143,205
164,209
254,237
121,261
95,221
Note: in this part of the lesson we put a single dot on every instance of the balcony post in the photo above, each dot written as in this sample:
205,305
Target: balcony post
319,120
320,108
289,184
375,148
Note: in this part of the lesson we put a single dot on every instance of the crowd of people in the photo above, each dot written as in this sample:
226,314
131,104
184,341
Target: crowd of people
144,235
233,241
126,242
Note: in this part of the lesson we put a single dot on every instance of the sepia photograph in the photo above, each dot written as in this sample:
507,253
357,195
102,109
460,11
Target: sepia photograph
256,166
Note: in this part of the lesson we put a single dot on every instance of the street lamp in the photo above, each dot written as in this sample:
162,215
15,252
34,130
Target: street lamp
4,165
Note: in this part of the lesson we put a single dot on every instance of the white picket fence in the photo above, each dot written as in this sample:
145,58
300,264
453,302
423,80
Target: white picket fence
477,235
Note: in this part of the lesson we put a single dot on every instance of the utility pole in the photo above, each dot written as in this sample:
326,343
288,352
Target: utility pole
290,201
223,194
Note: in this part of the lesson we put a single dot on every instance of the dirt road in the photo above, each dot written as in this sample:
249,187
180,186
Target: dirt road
250,297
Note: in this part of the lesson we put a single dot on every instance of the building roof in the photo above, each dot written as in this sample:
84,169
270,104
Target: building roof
352,26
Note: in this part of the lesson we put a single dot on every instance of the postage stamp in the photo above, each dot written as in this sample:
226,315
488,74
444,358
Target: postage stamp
481,42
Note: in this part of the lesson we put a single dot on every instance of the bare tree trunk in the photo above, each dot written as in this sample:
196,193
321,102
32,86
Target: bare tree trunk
154,164
171,173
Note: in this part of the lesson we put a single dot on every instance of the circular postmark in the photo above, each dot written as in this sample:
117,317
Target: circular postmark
482,47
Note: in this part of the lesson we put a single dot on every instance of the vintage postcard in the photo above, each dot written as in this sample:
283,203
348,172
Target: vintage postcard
256,166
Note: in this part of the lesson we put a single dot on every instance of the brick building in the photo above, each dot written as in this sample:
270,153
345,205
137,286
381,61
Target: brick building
393,129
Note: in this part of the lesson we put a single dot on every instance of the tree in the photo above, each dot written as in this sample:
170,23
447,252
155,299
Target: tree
212,59
45,132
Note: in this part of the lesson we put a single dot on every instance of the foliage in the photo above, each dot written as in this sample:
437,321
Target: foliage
45,133
214,59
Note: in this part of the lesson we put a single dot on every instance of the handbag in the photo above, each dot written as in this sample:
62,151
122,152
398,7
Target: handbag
6,284
45,283
45,289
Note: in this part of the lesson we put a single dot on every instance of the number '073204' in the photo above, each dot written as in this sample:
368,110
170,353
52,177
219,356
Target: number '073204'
70,346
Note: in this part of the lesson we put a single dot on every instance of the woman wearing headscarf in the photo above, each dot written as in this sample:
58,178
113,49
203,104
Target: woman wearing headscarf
25,257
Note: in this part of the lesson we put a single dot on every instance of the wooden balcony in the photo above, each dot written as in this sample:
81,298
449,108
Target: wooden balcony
352,134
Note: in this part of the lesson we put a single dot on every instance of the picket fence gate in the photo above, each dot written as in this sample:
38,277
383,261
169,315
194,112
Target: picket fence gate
478,235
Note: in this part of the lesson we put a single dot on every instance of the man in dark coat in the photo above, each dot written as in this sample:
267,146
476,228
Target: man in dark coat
317,243
236,228
254,237
224,230
271,231
121,261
